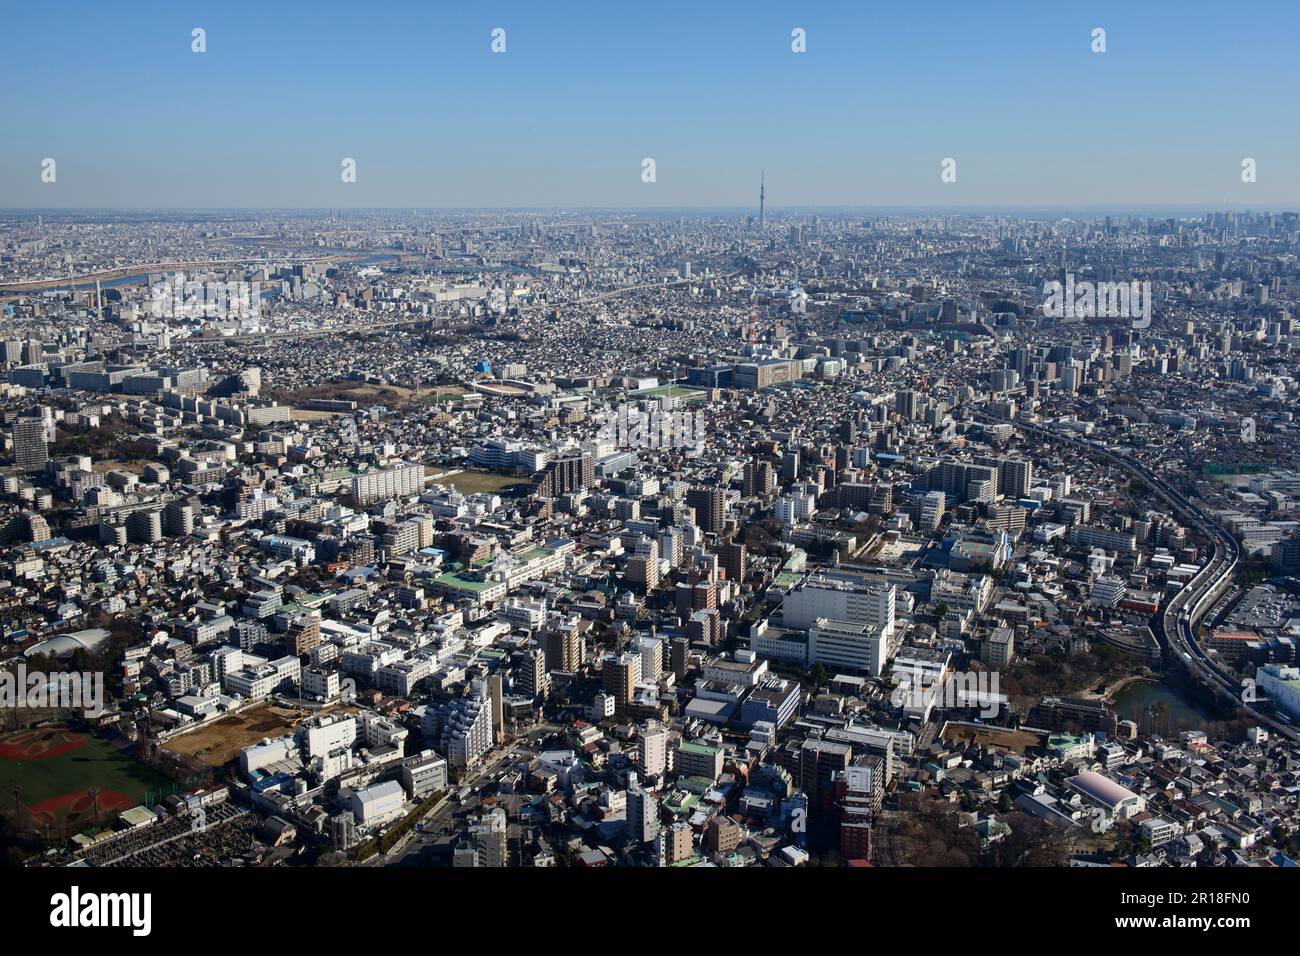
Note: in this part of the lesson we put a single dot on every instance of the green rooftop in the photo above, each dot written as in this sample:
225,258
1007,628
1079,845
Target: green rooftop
700,750
453,580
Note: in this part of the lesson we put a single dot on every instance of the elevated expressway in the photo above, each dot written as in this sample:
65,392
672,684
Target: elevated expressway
1178,621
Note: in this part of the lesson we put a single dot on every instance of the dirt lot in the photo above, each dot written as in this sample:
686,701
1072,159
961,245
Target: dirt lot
135,465
371,394
347,391
310,415
219,742
1016,740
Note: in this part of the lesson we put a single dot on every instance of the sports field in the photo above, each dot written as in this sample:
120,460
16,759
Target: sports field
686,392
470,482
56,768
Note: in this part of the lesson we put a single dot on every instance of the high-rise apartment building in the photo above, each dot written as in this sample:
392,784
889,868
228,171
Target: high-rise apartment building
397,482
710,506
30,449
619,676
642,814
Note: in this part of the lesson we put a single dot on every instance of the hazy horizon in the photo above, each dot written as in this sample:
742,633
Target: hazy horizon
266,115
1190,209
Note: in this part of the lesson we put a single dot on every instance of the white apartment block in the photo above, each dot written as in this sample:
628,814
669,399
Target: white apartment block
653,750
327,733
377,805
869,604
397,482
852,646
320,683
263,679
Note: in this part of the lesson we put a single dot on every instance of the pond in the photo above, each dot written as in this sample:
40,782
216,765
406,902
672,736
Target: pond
1161,708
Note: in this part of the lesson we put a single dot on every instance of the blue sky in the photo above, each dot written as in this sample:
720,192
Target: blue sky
710,90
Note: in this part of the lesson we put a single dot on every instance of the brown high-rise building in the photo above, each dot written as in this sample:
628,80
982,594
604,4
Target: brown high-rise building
534,680
619,676
859,792
643,567
820,761
734,561
760,479
722,834
678,655
302,634
704,596
682,593
643,573
704,627
677,842
695,596
710,506
567,474
564,649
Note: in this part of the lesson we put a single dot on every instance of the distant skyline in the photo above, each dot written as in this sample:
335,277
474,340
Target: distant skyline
712,92
1190,210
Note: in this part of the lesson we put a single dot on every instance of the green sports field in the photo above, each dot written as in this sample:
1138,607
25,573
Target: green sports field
687,392
56,769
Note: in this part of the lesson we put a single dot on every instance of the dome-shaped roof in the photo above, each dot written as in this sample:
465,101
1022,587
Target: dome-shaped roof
61,644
